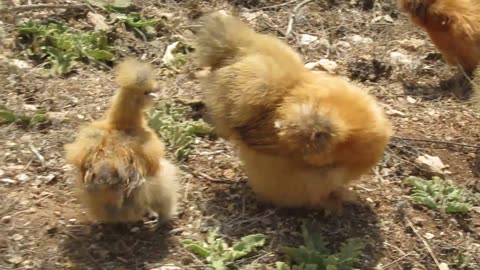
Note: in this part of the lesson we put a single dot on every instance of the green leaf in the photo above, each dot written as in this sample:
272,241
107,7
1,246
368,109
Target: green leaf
349,253
282,266
297,255
457,207
218,264
247,245
196,247
99,54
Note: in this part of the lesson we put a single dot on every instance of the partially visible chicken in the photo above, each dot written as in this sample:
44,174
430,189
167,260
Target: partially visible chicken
453,26
123,175
302,137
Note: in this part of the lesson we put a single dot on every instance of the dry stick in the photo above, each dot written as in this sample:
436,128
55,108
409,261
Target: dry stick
42,6
37,154
435,141
396,261
427,246
293,15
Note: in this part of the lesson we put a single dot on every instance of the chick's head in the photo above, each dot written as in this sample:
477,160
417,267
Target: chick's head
138,83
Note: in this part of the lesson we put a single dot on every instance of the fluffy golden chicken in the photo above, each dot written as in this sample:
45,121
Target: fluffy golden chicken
302,137
453,26
123,175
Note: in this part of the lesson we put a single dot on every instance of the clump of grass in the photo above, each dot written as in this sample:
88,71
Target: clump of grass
439,194
218,254
314,254
171,122
61,47
8,117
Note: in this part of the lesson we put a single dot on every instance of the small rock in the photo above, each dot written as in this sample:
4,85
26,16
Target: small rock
359,40
57,213
8,181
323,64
134,229
443,266
229,173
72,220
250,16
411,100
388,18
6,219
22,177
306,39
400,59
429,236
58,116
2,172
20,64
432,164
17,237
30,107
15,260
328,65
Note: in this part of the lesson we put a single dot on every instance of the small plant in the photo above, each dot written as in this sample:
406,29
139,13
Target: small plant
439,194
8,117
135,22
218,254
171,123
62,47
314,254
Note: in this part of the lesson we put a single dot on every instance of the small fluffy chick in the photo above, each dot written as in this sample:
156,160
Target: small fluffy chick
123,175
453,26
302,137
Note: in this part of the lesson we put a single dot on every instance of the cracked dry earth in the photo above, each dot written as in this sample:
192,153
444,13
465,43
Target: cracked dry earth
44,227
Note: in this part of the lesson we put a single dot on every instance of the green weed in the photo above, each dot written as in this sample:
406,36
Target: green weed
171,123
218,254
314,254
61,47
439,194
8,117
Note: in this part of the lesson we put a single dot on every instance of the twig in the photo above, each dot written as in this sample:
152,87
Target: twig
396,261
293,15
435,141
278,5
42,6
425,243
36,153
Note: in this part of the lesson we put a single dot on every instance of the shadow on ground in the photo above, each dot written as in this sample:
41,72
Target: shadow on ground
114,247
237,213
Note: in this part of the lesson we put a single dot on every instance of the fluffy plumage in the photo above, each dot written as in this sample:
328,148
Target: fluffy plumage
302,137
123,175
453,26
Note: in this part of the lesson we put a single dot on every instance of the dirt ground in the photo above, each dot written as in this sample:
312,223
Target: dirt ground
44,227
